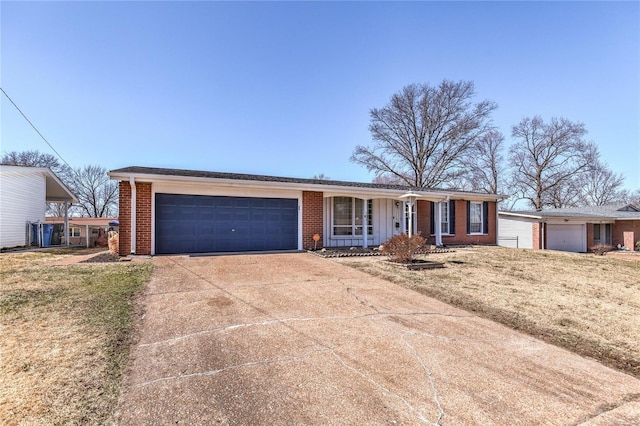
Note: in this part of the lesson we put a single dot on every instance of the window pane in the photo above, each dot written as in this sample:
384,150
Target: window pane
342,230
342,212
358,218
444,218
475,218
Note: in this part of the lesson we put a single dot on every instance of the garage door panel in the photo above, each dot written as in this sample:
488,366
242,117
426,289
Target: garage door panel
221,224
566,237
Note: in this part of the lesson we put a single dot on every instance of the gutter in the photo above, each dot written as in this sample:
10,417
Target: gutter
132,182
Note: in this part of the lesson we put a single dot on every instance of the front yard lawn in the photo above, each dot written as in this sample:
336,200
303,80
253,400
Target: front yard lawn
65,336
587,304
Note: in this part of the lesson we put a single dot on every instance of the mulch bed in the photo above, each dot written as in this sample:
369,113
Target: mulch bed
360,251
103,258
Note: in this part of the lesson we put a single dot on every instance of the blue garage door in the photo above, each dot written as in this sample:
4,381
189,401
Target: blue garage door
203,224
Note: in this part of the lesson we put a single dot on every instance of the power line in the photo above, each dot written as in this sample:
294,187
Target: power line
36,129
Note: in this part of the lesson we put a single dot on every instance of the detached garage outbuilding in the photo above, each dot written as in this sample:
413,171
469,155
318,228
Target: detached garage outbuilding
570,229
171,211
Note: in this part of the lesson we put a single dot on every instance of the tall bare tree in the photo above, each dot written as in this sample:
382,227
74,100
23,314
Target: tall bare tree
486,164
97,194
547,158
421,136
600,186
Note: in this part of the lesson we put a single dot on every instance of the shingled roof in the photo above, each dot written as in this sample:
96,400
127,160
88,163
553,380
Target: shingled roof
264,178
614,211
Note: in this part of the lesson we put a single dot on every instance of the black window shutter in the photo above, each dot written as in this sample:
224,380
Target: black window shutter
452,217
485,217
432,218
468,217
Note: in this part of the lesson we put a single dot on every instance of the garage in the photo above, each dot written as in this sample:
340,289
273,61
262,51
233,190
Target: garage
209,224
567,237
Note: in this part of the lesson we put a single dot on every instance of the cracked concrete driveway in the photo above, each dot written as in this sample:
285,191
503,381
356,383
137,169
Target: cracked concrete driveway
296,339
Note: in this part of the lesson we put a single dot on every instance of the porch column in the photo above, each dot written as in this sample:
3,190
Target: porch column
365,223
437,219
86,230
66,223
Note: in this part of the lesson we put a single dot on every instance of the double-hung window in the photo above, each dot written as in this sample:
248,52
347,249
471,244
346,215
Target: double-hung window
475,218
349,216
74,232
444,218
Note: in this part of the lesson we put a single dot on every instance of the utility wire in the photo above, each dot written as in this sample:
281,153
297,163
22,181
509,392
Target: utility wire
35,128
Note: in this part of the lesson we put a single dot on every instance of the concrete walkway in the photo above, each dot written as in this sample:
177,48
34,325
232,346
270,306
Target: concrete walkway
286,339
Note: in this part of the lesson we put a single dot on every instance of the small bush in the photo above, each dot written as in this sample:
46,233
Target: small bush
638,245
401,248
601,249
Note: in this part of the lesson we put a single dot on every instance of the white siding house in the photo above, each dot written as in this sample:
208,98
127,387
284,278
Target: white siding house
24,192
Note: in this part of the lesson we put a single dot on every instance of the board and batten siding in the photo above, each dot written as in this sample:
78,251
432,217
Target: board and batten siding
385,214
22,200
515,232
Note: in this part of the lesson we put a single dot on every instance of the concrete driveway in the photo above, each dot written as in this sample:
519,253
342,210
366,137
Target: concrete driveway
286,339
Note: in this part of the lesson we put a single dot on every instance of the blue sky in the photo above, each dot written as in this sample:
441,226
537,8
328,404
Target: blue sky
285,88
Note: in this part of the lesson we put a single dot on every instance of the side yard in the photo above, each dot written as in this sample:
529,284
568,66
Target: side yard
587,304
66,333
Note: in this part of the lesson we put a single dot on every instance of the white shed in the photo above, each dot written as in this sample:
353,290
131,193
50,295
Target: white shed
24,192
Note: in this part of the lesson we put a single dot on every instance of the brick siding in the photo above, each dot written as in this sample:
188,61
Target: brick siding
620,227
143,218
124,233
312,223
460,237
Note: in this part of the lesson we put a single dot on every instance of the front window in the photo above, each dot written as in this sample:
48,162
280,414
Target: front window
475,218
601,233
74,232
444,218
349,218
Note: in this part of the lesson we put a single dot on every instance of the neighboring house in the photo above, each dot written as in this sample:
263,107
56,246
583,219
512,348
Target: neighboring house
576,229
166,211
80,227
24,194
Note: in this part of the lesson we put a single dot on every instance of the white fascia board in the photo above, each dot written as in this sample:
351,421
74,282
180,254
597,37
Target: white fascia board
328,190
527,216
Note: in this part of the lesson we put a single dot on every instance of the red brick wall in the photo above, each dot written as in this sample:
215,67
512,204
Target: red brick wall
124,208
423,213
143,218
620,227
589,236
312,223
460,236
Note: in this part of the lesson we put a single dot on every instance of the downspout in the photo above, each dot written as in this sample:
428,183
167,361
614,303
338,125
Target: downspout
365,223
497,225
542,236
132,182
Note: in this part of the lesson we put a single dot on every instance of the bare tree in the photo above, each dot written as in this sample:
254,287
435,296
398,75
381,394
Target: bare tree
630,197
600,186
422,135
486,163
320,176
97,194
547,158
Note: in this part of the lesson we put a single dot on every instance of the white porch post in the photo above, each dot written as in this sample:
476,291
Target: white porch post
365,223
66,223
86,230
437,219
411,198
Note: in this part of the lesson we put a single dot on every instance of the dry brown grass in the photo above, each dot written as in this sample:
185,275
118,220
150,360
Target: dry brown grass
66,332
588,304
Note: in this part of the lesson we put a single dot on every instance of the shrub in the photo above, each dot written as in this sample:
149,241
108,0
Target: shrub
638,245
401,248
601,249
